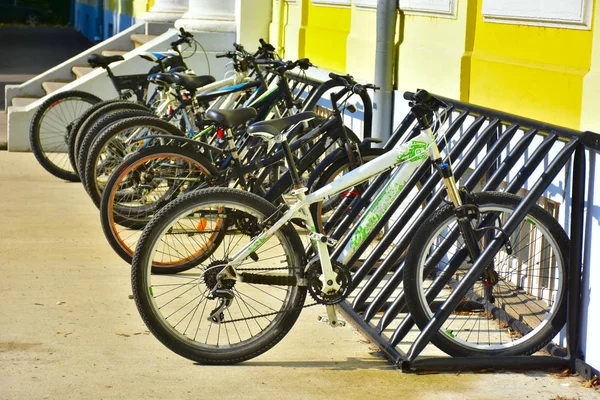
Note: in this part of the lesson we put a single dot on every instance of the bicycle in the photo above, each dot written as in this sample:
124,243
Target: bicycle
151,178
121,138
56,119
258,291
177,101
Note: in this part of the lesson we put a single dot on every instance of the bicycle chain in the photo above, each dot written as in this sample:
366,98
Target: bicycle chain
269,314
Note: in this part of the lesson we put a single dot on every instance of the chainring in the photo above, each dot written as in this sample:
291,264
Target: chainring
315,285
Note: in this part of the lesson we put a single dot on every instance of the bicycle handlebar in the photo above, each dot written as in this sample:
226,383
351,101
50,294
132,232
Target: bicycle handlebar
183,33
424,99
302,63
351,84
228,54
265,45
184,37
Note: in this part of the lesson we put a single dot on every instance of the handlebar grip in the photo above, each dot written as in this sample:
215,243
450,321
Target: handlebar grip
357,88
183,33
303,63
222,55
408,96
239,47
265,45
333,75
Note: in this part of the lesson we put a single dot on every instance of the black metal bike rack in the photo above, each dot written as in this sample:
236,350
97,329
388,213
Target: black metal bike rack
486,144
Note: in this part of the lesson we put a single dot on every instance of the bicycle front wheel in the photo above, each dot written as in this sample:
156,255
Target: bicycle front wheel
50,128
181,309
142,185
519,314
115,142
89,121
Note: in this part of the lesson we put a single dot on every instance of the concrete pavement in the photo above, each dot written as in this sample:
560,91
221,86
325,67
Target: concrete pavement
69,330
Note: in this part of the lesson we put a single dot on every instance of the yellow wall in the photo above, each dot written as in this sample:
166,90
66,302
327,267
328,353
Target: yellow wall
537,72
530,70
135,8
327,29
360,56
435,52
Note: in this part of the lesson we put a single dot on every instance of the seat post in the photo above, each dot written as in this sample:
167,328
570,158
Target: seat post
292,165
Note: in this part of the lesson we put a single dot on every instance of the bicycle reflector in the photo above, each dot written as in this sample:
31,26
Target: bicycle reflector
201,225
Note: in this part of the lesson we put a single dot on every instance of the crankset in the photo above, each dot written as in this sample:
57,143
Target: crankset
315,284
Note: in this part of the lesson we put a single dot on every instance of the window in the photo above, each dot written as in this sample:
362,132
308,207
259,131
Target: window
439,8
574,14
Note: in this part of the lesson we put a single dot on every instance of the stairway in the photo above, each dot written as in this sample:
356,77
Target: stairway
79,71
74,74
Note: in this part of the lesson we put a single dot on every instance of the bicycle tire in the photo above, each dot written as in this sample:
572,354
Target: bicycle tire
102,123
121,215
241,342
110,137
74,133
507,334
86,121
42,143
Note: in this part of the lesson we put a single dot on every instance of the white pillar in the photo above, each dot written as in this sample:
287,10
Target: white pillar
253,19
166,11
209,16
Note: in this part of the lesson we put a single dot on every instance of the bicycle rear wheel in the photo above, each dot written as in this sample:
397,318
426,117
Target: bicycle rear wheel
176,307
50,127
519,314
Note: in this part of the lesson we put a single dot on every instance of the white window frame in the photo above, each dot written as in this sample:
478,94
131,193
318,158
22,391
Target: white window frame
510,14
365,3
426,9
332,3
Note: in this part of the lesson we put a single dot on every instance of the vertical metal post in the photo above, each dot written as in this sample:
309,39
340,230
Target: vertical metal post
576,254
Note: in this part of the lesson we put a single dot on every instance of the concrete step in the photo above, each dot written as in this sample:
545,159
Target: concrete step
110,53
51,86
81,70
139,39
23,101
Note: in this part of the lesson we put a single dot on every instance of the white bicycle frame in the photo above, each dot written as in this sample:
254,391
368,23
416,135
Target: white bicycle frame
411,155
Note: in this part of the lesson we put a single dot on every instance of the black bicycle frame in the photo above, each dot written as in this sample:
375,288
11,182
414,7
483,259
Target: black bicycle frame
138,83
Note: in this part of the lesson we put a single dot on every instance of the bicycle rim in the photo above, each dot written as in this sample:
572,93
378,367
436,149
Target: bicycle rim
144,187
54,128
179,304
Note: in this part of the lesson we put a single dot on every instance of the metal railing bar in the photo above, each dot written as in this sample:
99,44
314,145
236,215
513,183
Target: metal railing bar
488,254
392,258
490,158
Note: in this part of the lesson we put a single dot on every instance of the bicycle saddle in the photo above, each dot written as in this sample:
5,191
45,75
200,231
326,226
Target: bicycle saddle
276,126
189,82
98,60
231,118
155,56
